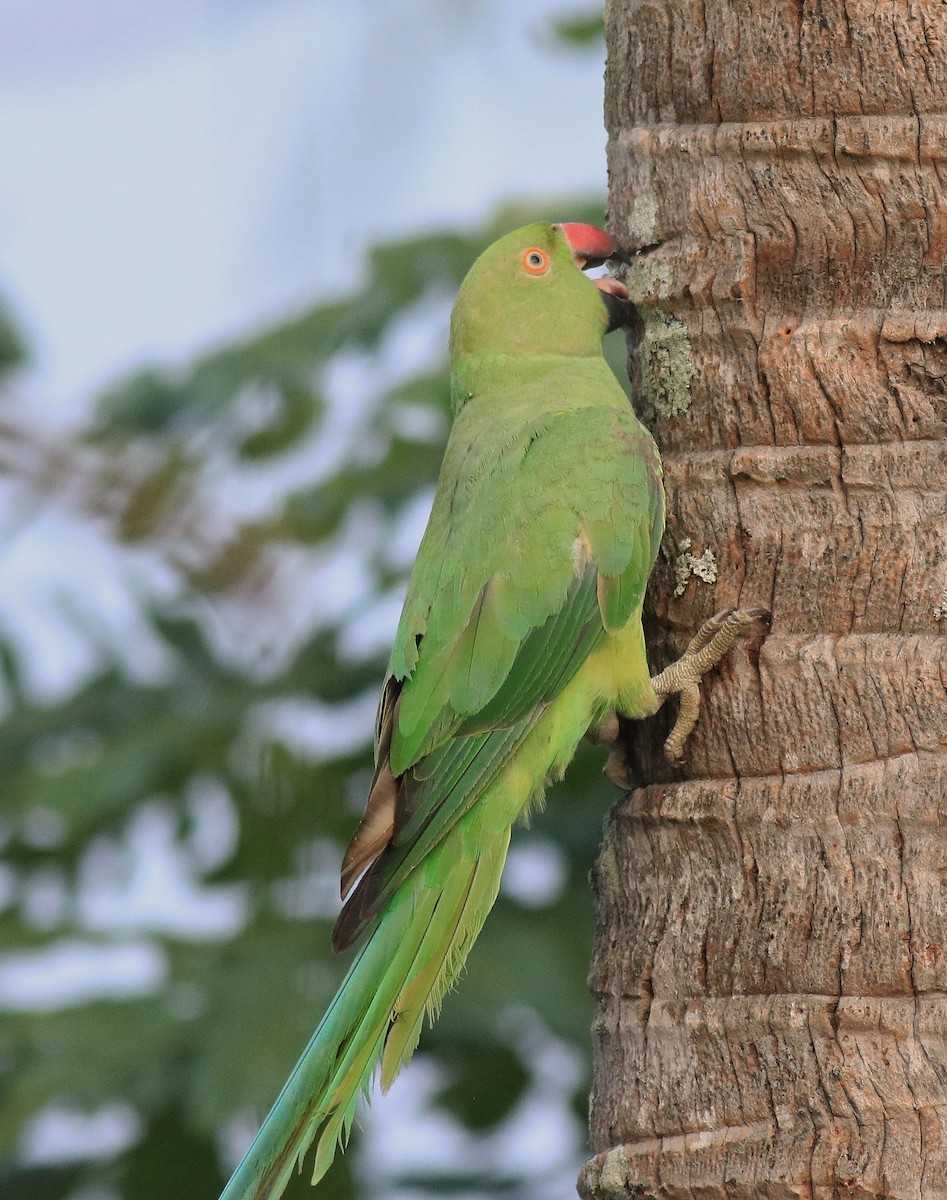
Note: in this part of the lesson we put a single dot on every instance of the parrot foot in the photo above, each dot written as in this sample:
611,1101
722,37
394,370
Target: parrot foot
606,732
706,649
616,765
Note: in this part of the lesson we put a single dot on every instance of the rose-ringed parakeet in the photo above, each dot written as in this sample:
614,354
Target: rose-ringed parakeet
521,633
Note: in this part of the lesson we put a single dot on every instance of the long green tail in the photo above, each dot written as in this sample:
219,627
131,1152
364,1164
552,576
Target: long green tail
412,957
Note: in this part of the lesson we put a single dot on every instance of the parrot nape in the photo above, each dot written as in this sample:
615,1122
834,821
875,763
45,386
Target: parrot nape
521,633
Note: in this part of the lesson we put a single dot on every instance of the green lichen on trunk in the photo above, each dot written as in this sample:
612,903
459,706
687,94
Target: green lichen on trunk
608,1176
663,351
642,219
666,365
701,566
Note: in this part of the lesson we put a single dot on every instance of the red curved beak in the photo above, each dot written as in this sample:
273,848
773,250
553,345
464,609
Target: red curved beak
590,247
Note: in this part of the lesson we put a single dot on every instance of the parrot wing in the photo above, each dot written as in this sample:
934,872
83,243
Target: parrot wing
541,538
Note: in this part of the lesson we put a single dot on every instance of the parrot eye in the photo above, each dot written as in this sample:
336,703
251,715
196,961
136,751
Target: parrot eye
535,261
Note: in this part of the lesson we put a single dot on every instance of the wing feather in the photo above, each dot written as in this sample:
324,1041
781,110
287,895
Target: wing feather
549,656
542,535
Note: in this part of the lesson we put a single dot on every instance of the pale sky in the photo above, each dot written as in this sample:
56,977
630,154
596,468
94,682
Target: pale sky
177,171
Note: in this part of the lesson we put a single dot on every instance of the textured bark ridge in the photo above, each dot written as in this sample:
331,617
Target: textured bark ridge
771,964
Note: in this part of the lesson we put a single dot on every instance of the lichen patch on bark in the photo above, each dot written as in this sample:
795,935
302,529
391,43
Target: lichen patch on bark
702,566
642,215
666,366
610,1173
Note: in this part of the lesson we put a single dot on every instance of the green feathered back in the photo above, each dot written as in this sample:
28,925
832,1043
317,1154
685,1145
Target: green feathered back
515,521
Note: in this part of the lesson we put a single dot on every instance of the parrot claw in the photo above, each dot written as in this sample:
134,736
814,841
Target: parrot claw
616,767
607,733
705,650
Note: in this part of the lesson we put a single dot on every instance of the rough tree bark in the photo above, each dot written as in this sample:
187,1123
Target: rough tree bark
771,963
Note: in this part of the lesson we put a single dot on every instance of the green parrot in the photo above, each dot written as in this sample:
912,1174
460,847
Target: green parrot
521,633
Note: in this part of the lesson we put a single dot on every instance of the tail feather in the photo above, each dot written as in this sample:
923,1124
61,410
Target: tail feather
453,918
404,970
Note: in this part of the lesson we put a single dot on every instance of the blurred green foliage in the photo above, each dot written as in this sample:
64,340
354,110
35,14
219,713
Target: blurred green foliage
12,346
157,473
580,30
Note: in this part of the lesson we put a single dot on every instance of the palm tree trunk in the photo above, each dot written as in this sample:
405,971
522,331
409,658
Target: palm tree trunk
772,919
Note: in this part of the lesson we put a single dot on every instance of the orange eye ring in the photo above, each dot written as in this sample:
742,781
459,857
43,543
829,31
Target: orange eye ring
535,261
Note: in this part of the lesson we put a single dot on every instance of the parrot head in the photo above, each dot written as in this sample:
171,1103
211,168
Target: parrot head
526,294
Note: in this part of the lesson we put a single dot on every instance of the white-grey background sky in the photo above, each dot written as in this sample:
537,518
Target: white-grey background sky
177,171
